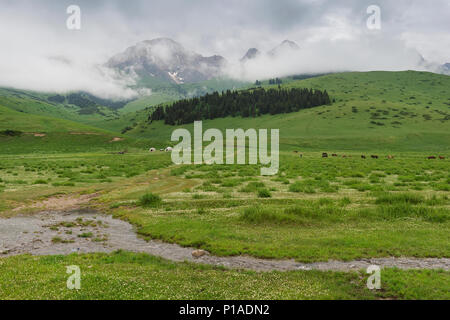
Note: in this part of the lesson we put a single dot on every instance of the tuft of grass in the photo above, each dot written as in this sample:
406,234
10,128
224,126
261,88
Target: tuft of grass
86,235
265,215
40,181
253,186
405,210
399,198
345,201
264,193
297,215
301,186
57,240
150,200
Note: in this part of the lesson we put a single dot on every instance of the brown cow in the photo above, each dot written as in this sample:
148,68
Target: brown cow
324,155
374,156
431,158
344,156
390,157
442,157
334,155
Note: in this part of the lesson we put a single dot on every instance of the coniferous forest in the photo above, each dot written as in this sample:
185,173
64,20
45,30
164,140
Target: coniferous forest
250,103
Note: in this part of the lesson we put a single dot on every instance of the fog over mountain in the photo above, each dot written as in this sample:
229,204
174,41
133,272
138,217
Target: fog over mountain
40,53
168,60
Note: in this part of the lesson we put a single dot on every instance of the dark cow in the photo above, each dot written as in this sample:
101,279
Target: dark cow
122,152
374,156
301,155
442,157
324,155
334,155
431,158
363,157
295,151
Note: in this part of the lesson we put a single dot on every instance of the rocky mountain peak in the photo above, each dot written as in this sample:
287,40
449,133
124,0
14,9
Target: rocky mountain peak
252,53
284,47
167,60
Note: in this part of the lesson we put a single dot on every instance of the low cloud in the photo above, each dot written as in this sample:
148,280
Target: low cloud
39,53
56,74
363,54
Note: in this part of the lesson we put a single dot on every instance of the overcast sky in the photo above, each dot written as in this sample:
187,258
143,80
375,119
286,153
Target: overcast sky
38,52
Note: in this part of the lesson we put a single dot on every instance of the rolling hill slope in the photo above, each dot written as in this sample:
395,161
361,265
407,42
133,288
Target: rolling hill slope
392,111
398,111
40,134
105,114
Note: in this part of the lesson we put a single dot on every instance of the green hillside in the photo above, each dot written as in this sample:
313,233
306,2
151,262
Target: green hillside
41,104
21,121
106,114
398,111
40,134
404,111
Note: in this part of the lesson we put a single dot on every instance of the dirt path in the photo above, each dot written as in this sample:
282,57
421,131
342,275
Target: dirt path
59,203
51,233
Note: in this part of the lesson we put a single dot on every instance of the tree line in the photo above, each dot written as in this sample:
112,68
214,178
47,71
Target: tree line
250,103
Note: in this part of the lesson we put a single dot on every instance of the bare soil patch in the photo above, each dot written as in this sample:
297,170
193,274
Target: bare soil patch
59,203
117,139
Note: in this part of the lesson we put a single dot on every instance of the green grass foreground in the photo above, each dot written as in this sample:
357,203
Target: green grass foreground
318,209
124,275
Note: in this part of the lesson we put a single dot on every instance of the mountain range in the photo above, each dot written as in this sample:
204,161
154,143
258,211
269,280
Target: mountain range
167,60
164,60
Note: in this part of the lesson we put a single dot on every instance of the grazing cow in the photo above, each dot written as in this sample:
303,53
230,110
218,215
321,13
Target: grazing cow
390,157
374,156
431,158
442,157
334,155
295,151
344,156
122,152
324,155
363,157
301,156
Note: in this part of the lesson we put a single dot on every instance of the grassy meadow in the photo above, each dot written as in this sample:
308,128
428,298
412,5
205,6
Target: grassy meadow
315,209
123,275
